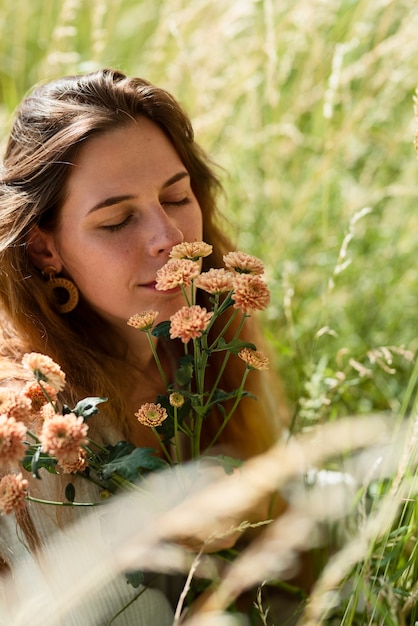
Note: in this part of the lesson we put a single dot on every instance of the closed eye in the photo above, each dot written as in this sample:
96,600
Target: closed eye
115,227
181,202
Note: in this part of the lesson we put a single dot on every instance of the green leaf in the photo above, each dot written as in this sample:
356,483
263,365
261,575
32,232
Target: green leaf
202,411
70,492
131,466
219,396
228,463
119,450
162,330
184,373
35,459
135,578
234,346
87,407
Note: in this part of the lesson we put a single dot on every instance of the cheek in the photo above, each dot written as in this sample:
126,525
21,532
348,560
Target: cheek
193,225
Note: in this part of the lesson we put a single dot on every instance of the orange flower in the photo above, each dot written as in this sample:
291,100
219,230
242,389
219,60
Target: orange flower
191,250
243,263
15,404
254,359
45,369
74,463
143,321
12,448
151,414
13,491
215,281
47,411
250,293
176,272
63,435
37,397
189,322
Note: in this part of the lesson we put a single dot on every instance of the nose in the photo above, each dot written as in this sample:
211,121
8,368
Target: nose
164,233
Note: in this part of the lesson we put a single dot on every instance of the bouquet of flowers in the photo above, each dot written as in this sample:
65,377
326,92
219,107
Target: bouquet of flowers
61,443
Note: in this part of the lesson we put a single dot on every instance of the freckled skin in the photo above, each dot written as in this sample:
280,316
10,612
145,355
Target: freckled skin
128,202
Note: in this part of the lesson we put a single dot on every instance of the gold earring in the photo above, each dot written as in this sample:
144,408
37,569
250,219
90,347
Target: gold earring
59,284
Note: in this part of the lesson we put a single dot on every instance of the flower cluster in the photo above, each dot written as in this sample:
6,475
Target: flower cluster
237,288
38,431
59,439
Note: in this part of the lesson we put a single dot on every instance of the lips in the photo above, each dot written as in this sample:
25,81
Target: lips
152,285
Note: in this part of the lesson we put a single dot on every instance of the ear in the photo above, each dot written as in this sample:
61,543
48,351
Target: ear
41,249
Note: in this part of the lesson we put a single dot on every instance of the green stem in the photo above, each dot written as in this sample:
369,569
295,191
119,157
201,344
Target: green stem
47,396
176,436
163,448
128,604
157,359
53,503
226,358
231,412
97,445
186,297
31,434
196,437
227,325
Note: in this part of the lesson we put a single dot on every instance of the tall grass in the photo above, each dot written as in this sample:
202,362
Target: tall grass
307,106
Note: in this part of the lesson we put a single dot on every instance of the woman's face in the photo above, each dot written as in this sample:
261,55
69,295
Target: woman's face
128,201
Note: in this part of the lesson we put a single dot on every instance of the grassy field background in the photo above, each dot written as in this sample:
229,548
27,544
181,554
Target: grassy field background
308,108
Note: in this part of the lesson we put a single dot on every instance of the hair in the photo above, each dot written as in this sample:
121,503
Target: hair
51,124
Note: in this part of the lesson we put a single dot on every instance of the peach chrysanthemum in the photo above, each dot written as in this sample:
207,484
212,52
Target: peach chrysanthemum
150,414
37,397
13,491
254,359
243,263
176,272
12,448
250,293
15,404
63,435
45,369
191,250
189,322
143,321
73,463
47,411
176,399
215,281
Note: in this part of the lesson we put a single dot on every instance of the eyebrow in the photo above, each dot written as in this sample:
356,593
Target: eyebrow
118,199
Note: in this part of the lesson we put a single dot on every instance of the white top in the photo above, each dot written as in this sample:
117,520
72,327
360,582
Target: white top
74,582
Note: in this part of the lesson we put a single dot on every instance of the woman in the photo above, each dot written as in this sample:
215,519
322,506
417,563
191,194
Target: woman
101,178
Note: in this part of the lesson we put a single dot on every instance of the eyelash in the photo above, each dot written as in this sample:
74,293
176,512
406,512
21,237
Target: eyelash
115,227
182,202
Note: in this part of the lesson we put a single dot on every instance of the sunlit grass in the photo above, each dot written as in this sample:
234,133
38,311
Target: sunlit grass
307,106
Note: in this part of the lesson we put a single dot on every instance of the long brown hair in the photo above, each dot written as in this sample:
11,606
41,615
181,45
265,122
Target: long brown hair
51,124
